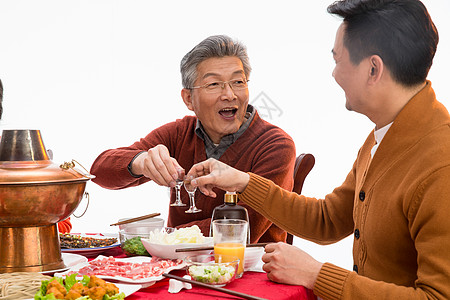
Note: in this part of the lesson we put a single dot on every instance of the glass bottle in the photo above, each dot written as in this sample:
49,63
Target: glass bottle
230,210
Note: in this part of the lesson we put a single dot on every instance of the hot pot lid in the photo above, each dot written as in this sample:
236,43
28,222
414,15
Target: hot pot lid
40,172
24,160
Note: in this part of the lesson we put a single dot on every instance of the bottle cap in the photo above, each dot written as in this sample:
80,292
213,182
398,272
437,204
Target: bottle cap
231,197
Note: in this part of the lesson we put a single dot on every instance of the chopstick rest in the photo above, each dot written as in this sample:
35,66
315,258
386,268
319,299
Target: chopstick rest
175,285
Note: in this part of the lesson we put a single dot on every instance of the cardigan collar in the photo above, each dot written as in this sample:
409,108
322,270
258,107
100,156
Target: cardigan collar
420,115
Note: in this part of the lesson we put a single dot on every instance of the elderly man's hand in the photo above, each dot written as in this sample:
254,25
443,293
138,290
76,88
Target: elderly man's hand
157,165
288,264
213,173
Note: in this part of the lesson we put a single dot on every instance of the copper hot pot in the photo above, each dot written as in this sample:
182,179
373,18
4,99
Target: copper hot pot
35,194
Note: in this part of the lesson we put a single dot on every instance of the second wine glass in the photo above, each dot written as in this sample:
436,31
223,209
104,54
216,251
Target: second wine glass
191,191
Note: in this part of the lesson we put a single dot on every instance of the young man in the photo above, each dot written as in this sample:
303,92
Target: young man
396,198
214,76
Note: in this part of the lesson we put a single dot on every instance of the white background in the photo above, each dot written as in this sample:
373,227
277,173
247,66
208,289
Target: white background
99,74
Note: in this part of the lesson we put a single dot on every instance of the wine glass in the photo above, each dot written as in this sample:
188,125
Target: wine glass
191,191
178,184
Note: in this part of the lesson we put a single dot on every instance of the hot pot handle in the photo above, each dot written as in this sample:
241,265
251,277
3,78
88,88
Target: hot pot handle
86,194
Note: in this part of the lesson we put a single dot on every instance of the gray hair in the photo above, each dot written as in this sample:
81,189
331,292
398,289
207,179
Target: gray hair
213,46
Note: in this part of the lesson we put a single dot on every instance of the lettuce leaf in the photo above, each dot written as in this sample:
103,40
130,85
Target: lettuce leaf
115,297
70,281
41,294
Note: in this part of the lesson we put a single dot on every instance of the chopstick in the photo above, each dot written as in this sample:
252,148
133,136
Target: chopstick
212,287
136,219
212,248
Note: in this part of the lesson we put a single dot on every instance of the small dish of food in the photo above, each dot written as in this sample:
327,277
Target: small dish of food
214,269
131,243
130,235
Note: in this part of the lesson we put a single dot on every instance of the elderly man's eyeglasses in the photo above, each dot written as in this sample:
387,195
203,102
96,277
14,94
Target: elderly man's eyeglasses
218,86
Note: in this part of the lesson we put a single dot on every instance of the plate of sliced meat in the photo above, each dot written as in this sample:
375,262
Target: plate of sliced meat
137,269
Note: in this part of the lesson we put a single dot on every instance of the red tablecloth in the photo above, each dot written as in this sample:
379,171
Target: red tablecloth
252,283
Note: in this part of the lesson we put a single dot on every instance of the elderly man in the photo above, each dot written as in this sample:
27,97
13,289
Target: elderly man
215,74
396,198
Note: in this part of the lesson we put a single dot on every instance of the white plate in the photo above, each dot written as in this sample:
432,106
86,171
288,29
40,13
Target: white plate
128,289
70,260
90,252
168,251
135,259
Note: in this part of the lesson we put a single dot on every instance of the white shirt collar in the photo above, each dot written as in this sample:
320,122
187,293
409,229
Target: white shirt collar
379,135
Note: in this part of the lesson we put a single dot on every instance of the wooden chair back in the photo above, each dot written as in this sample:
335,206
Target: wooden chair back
303,165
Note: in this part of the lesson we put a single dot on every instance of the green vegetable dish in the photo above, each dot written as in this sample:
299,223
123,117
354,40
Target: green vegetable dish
134,246
88,288
213,274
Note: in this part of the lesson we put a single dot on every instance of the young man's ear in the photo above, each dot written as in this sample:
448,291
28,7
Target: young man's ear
186,94
376,68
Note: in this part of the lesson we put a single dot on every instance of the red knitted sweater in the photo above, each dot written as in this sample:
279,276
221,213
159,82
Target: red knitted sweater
65,226
263,149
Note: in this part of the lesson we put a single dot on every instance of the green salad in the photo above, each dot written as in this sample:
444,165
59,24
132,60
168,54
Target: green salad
212,274
78,289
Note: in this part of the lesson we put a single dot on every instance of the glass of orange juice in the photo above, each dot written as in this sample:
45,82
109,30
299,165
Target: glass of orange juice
230,236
